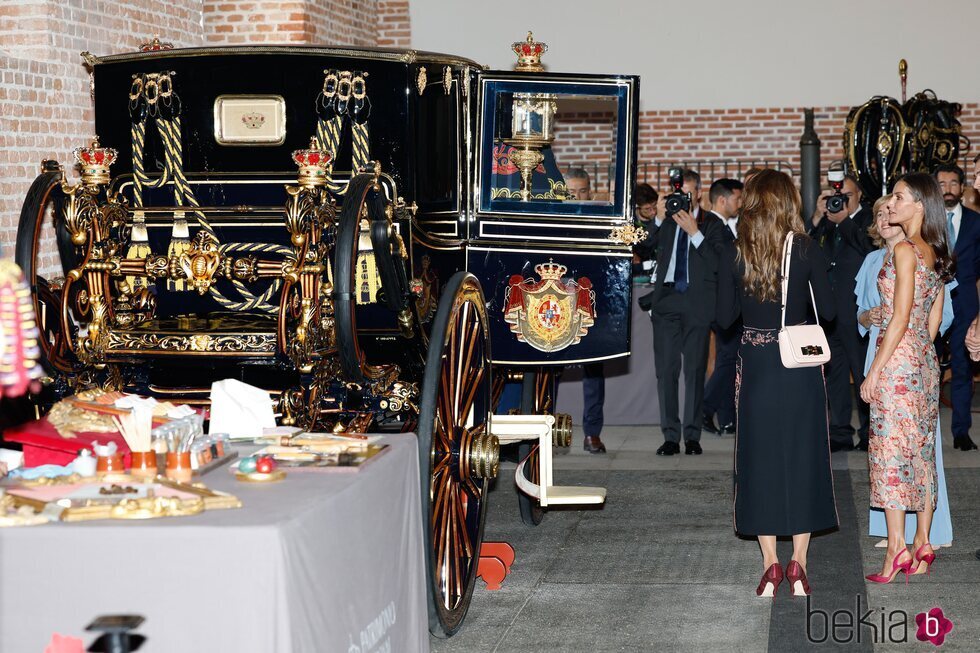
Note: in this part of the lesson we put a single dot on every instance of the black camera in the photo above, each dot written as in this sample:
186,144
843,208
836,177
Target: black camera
837,201
678,200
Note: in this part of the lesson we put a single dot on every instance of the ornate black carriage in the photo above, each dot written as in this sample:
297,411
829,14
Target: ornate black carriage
382,239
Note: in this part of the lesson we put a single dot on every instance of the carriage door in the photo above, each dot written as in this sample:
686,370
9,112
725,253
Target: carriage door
555,170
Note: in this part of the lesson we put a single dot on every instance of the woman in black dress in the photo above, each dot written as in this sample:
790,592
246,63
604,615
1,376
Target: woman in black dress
783,482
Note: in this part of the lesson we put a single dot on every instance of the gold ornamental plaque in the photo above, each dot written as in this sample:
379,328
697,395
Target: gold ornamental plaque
250,119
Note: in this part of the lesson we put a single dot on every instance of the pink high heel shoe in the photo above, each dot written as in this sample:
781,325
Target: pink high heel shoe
927,558
896,567
770,581
796,578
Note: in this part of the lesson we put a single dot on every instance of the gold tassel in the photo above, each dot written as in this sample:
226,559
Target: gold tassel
139,247
180,243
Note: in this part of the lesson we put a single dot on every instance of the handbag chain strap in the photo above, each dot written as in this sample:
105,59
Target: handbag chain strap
787,254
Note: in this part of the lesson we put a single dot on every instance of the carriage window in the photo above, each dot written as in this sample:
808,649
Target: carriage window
546,149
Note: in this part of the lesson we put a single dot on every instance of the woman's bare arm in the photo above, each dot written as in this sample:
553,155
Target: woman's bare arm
905,261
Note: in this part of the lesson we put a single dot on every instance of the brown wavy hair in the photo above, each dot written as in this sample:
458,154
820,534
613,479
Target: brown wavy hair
770,210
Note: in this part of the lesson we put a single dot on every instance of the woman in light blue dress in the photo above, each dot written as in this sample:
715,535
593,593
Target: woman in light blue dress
869,322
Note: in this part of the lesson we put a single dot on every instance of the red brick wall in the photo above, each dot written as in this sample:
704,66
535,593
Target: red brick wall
394,24
334,22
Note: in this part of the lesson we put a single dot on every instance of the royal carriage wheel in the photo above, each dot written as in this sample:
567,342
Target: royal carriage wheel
56,356
458,455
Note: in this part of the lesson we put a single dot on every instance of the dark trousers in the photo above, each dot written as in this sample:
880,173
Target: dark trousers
847,352
679,339
593,396
719,391
961,390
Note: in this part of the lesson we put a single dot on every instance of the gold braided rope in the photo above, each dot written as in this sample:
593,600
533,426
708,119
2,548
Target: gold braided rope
170,133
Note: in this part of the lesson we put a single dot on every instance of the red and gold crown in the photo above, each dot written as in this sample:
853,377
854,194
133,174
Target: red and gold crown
314,164
95,162
550,270
529,54
155,45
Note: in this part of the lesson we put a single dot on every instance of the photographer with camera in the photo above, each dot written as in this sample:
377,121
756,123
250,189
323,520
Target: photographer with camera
840,225
686,247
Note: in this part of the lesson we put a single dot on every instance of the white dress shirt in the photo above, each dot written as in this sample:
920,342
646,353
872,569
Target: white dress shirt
695,241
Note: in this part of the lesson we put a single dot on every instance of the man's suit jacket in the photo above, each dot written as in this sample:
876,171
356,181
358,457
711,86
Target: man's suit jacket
966,253
845,254
702,264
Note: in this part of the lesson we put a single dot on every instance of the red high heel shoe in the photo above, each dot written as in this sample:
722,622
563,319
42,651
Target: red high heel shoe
927,558
770,581
896,567
796,578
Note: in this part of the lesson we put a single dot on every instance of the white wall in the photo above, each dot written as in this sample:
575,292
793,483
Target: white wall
725,53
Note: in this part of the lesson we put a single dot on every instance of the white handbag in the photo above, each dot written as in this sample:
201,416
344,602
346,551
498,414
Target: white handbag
803,345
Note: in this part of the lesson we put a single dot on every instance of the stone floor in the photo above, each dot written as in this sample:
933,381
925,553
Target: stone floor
658,568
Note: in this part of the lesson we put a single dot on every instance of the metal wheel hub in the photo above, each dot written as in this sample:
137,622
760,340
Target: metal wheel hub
479,455
562,430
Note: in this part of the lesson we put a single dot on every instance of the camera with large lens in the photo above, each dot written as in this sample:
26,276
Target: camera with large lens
678,200
838,201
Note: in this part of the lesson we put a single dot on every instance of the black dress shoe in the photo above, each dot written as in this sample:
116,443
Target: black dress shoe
692,447
862,445
729,428
708,424
668,449
841,446
964,443
594,445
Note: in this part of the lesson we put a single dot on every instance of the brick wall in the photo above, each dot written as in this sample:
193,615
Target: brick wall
346,22
394,24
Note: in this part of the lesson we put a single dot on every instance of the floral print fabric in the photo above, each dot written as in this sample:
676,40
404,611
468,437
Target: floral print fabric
904,412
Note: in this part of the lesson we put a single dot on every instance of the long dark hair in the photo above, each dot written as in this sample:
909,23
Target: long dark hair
925,189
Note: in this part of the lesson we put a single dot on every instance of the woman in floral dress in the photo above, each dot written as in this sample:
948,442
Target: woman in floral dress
902,385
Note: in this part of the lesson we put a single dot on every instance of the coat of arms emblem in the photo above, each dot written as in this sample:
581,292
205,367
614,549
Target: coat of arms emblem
550,314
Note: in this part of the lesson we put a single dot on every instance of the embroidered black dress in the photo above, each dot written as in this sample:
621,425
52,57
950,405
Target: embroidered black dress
783,482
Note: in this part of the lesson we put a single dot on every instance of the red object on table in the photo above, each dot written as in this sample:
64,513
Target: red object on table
43,445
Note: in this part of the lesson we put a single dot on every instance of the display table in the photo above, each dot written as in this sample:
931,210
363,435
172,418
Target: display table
323,561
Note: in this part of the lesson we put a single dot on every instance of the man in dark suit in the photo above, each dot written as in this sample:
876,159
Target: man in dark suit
843,237
686,247
963,237
725,196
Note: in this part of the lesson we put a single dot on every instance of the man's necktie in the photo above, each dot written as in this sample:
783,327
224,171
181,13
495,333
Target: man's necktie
950,230
680,262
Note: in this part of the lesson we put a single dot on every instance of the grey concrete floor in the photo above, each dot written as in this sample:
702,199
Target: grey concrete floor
658,568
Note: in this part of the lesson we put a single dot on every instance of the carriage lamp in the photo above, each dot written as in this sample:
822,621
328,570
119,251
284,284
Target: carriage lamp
531,129
94,162
314,165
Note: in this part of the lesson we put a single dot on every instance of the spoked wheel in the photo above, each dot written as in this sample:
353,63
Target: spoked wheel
537,398
457,454
56,356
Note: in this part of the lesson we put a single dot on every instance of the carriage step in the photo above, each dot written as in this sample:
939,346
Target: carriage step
574,495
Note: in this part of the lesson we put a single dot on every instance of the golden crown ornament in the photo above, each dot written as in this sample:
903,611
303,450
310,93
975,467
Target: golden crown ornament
314,165
550,270
529,54
95,162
